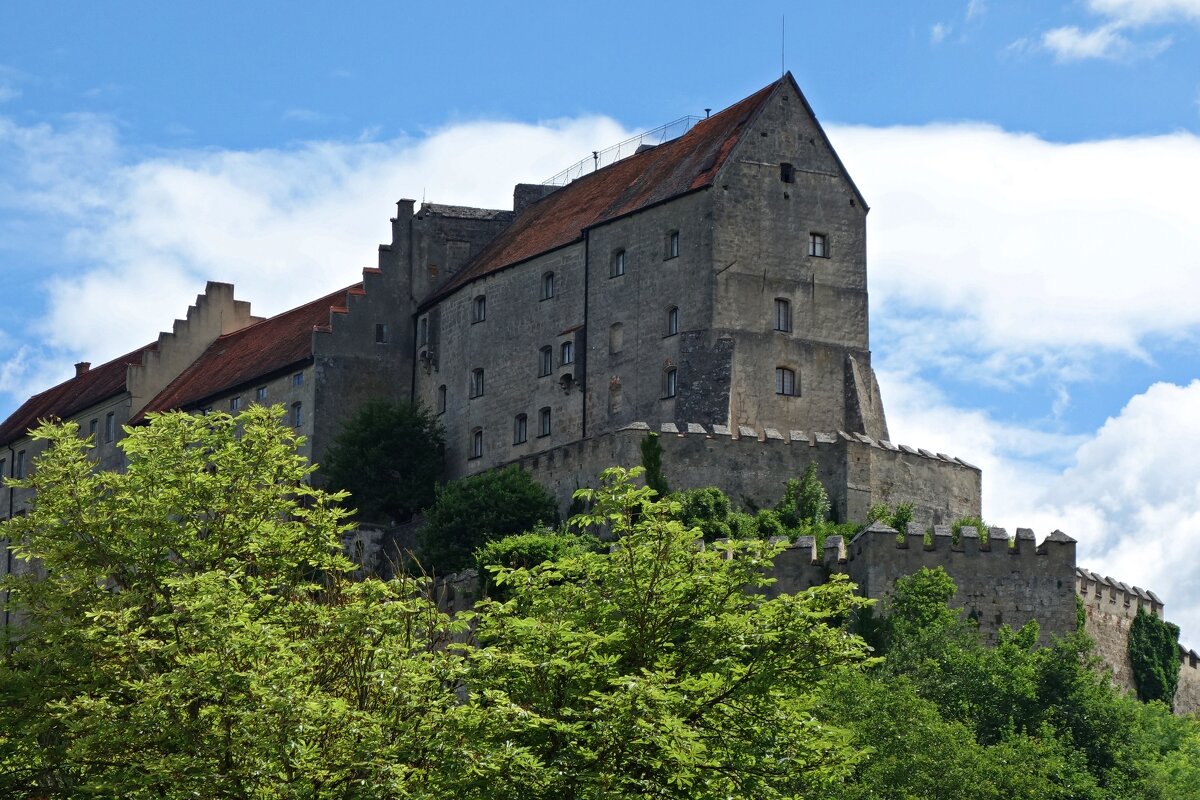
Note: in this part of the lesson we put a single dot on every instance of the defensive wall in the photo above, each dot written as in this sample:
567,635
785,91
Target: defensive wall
1111,606
752,466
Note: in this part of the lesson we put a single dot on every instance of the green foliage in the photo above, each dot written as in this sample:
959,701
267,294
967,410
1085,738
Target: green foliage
388,456
708,510
473,511
1080,614
977,523
652,464
805,502
651,671
194,632
525,550
1154,654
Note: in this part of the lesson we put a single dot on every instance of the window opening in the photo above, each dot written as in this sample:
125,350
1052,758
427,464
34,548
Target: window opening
297,415
787,173
545,361
110,426
670,382
477,382
381,333
783,315
548,286
441,399
477,443
818,245
520,423
673,244
567,354
479,309
544,421
785,381
617,268
672,320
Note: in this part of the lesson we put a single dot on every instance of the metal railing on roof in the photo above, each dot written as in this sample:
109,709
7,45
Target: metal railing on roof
610,155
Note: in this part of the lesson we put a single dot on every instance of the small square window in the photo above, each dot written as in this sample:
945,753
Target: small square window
617,268
235,403
818,245
567,355
785,381
479,309
787,173
298,379
260,393
783,315
548,286
520,423
673,244
381,333
544,421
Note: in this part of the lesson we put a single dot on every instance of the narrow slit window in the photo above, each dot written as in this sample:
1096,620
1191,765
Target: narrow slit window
110,426
297,415
479,309
670,382
548,286
545,361
672,320
520,425
673,244
783,315
617,268
441,399
477,443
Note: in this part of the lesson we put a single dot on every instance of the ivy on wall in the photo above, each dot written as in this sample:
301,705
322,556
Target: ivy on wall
1154,654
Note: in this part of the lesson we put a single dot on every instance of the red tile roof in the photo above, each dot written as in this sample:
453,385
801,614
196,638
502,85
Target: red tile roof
676,167
72,396
248,354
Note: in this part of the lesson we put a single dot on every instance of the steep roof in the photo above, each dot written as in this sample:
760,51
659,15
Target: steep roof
72,396
256,350
642,180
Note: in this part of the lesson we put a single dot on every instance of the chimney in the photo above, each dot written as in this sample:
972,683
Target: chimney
82,367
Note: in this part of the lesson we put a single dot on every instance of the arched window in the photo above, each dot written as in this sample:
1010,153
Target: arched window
616,337
567,354
544,421
783,314
479,309
617,268
477,443
441,399
785,381
520,424
545,361
672,320
477,382
548,286
670,381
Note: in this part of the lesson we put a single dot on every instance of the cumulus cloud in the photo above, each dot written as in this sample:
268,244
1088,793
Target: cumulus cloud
1143,12
1069,43
939,32
1005,257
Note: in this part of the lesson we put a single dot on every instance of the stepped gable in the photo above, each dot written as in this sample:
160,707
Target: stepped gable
74,395
652,176
266,347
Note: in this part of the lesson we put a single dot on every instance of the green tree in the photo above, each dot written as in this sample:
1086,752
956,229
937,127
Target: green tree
651,671
388,456
193,632
652,464
805,502
470,512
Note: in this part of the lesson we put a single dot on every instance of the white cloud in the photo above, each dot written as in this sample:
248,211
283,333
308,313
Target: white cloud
939,32
1143,12
1069,43
976,8
1005,257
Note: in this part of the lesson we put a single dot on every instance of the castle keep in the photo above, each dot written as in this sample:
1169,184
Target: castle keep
711,288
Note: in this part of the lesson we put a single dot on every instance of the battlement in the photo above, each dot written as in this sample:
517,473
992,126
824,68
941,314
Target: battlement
1111,596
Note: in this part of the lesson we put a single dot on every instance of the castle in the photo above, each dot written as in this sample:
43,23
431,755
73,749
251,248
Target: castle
711,287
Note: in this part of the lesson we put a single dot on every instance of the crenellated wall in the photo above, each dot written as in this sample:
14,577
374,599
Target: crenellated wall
753,467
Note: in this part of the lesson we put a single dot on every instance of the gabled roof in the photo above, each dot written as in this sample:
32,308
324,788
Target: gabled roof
250,353
70,397
642,180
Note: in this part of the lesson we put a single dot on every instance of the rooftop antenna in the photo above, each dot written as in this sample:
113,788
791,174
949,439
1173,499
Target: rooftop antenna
707,111
782,44
595,160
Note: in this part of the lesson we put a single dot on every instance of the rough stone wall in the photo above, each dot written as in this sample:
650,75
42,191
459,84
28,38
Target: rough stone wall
278,389
1111,606
856,471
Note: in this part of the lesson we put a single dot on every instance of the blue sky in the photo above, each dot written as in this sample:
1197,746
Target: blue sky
1030,167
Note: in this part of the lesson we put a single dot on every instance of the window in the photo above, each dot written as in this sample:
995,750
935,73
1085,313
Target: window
544,421
476,382
787,173
297,415
19,465
548,286
617,268
441,399
3,466
567,354
818,245
785,381
520,423
110,426
673,244
235,403
260,393
298,379
616,338
477,443
783,314
545,361
670,382
92,427
423,331
381,333
479,309
672,320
